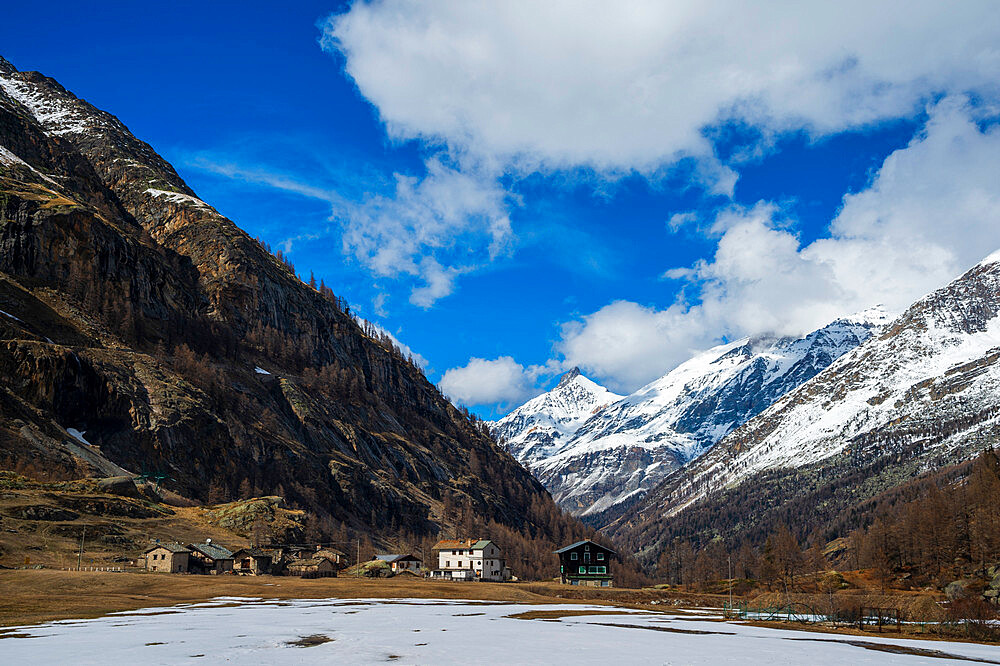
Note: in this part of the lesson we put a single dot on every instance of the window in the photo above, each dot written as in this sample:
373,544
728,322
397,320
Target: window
600,556
602,570
593,570
447,563
587,547
583,569
572,556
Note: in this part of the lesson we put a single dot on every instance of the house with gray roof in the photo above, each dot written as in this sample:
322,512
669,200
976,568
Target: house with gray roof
401,562
210,558
470,559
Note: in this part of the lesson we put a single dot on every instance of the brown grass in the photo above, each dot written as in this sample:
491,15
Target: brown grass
32,596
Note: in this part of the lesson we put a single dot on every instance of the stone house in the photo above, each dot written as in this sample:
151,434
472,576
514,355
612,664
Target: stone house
210,558
251,562
313,567
167,558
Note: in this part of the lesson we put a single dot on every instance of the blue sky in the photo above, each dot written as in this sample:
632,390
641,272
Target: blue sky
512,189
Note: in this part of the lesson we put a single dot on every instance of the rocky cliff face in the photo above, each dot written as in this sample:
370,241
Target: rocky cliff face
133,316
925,393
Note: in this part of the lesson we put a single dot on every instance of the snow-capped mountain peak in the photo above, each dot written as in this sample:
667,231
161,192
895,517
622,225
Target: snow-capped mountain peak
540,426
629,446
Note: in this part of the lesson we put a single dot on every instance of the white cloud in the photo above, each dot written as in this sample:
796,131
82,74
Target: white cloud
433,228
483,382
633,85
427,229
625,344
931,212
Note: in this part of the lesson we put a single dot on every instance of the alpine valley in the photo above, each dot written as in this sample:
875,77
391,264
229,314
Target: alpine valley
142,333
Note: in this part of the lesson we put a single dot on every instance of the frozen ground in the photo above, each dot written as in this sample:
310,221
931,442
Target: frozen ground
421,631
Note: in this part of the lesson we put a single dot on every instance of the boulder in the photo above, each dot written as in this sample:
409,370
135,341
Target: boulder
959,589
119,485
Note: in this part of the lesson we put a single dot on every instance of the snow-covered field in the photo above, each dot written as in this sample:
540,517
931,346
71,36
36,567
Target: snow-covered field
422,631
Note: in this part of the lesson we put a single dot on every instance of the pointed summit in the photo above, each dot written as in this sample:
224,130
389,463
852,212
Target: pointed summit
569,376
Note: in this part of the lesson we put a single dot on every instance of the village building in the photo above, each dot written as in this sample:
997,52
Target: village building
313,567
282,555
168,558
585,563
210,558
470,559
338,558
399,563
251,562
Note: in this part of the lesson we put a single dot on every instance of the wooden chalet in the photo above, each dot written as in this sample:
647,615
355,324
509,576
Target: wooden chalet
168,558
585,563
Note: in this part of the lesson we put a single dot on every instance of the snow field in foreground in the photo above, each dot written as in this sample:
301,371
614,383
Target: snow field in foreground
422,631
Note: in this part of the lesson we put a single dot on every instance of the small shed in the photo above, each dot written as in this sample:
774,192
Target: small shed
313,567
210,558
401,562
251,562
168,558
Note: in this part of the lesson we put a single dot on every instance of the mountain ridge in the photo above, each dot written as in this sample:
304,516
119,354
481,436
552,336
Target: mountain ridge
630,445
135,316
920,396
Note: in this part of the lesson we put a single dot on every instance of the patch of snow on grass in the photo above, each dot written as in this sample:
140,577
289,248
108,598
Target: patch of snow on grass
426,631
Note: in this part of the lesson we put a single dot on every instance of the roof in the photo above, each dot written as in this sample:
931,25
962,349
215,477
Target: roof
454,544
251,552
172,547
580,543
308,562
395,557
213,550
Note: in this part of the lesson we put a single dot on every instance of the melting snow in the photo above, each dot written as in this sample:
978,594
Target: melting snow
428,631
178,197
7,314
261,371
78,436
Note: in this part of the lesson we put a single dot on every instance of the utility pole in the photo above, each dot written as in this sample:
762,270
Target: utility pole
79,559
730,558
357,567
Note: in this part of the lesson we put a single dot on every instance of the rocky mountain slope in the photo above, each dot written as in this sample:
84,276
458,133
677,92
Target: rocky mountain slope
923,394
628,447
540,427
142,330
